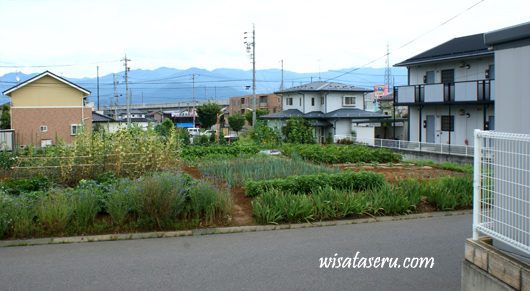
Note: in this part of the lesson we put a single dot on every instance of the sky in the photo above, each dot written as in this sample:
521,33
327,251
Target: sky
73,38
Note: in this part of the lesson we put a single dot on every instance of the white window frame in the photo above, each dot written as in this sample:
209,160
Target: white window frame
289,101
321,100
43,128
75,129
350,103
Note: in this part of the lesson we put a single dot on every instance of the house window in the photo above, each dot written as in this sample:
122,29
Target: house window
348,101
448,76
312,101
75,129
289,101
45,143
242,100
43,128
300,101
238,102
279,101
321,100
448,123
234,102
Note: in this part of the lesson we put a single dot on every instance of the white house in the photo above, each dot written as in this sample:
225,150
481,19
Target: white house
331,107
450,91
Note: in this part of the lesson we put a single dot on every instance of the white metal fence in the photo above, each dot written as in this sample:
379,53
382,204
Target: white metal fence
501,204
457,150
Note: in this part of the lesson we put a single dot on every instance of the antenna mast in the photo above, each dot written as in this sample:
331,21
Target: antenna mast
387,67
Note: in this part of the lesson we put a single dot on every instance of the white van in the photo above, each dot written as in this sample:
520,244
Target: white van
193,131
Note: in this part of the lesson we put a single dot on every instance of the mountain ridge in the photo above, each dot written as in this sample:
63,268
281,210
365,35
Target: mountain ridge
174,85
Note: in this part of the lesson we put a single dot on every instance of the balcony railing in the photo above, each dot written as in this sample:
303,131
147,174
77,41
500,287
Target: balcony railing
481,90
263,104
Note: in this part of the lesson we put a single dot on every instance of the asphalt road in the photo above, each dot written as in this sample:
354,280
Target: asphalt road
267,260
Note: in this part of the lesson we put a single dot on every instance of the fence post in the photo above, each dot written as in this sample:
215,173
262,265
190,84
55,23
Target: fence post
476,183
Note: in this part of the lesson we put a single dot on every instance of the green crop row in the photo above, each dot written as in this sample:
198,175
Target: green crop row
215,151
307,183
342,154
261,167
276,205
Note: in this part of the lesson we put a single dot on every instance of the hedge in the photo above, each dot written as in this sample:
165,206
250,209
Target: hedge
305,183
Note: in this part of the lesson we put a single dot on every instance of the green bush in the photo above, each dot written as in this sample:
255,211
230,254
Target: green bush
17,186
216,150
306,183
342,154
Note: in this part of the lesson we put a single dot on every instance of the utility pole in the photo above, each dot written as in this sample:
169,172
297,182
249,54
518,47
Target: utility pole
281,85
127,91
115,96
253,57
98,88
193,78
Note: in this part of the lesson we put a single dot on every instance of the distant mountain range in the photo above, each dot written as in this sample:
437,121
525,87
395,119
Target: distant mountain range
174,85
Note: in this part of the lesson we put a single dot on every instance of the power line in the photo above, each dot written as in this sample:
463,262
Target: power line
445,22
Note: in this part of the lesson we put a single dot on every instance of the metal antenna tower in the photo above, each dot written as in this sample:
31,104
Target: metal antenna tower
387,67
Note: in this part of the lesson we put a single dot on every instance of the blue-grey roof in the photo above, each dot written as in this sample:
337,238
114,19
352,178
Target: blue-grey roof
353,113
314,115
96,117
323,86
286,114
508,34
460,47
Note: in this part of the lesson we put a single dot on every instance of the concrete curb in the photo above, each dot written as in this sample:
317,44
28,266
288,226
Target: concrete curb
232,229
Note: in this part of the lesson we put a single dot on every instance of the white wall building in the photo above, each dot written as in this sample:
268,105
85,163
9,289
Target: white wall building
331,107
450,91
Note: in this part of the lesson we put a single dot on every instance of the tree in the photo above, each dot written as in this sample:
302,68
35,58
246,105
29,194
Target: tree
164,128
236,122
298,130
259,112
208,114
5,118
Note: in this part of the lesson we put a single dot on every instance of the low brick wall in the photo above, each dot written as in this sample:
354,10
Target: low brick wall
487,268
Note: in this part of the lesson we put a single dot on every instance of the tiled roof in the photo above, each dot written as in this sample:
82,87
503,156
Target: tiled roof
323,86
459,47
96,117
286,114
352,113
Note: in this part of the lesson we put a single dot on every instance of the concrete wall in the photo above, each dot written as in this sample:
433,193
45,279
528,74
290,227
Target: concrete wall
435,157
512,66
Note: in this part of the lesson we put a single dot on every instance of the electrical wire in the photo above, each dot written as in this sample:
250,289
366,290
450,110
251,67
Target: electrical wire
406,44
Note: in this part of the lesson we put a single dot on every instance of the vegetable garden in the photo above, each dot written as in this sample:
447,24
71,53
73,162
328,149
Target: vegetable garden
134,181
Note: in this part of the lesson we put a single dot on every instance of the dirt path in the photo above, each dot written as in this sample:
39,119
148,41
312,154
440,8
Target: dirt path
242,214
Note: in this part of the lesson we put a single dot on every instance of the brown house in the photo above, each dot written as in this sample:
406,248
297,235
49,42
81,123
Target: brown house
47,107
242,104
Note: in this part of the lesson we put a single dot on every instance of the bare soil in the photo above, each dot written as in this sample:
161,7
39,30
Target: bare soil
242,214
